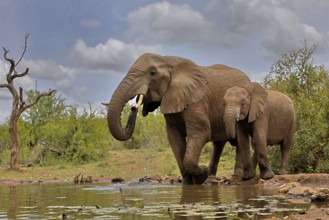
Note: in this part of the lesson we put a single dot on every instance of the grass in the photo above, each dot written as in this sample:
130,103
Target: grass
127,164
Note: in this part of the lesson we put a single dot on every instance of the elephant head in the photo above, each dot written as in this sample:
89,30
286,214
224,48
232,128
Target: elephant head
170,82
243,102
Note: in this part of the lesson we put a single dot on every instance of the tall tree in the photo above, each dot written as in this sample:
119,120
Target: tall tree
18,104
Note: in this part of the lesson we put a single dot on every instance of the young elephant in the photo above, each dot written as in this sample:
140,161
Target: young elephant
267,116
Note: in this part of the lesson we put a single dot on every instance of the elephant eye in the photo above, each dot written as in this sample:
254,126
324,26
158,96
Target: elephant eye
153,72
243,103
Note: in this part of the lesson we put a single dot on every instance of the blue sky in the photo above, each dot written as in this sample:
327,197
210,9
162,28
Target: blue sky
84,48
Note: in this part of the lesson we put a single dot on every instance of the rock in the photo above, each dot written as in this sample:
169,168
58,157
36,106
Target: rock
288,186
117,180
145,179
320,194
301,191
315,194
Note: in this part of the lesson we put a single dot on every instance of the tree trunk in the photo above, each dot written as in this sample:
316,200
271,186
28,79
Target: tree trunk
15,144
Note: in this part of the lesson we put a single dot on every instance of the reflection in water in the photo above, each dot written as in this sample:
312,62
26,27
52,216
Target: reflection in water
13,202
103,200
196,194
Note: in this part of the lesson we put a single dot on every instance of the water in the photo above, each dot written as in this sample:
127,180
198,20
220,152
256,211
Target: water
142,201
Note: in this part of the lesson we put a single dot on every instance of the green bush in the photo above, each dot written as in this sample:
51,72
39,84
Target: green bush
308,86
51,131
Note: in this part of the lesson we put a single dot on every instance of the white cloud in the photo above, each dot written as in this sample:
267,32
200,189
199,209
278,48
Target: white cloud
59,77
4,93
4,113
224,23
91,23
62,77
113,55
276,23
44,69
174,24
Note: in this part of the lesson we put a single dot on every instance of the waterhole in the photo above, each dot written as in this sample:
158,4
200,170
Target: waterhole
143,201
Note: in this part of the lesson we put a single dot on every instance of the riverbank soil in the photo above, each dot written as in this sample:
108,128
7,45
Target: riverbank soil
312,187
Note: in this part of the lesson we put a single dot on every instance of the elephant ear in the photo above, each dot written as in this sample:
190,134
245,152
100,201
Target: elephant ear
188,85
258,101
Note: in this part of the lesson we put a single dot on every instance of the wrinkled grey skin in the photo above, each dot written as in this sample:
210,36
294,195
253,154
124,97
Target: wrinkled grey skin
267,116
189,96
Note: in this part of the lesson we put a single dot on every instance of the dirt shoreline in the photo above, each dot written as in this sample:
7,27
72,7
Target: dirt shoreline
301,185
303,181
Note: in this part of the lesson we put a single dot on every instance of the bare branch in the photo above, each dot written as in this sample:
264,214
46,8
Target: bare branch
20,94
5,55
12,70
4,85
36,100
20,74
12,64
25,46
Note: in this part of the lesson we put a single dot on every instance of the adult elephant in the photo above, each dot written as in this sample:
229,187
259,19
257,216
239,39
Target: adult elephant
267,116
189,96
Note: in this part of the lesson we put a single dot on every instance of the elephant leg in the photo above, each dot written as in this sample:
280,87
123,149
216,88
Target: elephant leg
194,148
254,157
243,149
198,134
177,142
285,151
261,149
218,147
238,167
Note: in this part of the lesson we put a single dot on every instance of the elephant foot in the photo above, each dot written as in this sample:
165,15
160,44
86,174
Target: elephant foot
212,173
266,174
187,179
238,172
247,175
282,171
201,177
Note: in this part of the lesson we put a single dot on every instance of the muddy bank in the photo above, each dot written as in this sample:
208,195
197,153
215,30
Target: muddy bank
313,188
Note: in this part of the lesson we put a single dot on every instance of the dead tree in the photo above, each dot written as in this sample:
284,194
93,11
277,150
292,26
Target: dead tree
18,104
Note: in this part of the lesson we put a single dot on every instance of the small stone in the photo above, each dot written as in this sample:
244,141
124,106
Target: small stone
288,186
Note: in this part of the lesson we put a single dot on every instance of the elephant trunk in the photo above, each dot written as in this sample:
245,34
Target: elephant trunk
230,119
120,97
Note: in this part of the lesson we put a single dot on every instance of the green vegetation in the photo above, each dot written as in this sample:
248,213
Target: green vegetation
307,85
51,132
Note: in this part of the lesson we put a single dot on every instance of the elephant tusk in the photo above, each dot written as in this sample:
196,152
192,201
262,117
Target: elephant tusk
237,119
106,104
140,100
